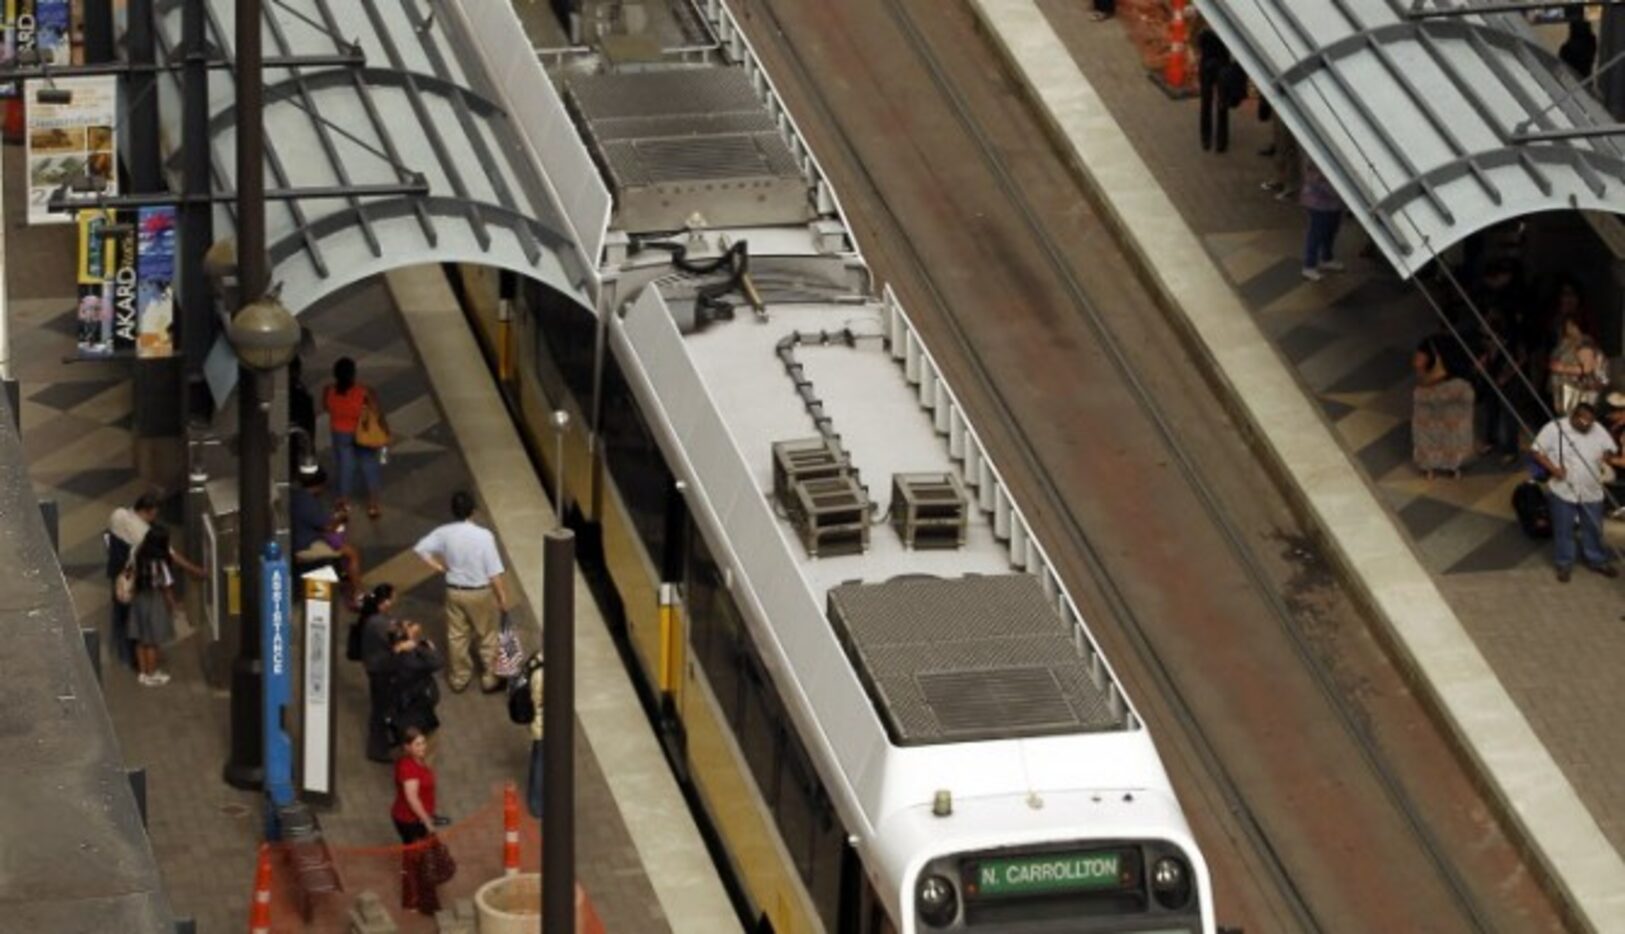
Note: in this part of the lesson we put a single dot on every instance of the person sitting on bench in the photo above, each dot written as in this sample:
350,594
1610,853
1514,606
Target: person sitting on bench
318,535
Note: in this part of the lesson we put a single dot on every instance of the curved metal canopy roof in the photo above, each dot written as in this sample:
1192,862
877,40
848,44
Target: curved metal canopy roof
422,104
1431,123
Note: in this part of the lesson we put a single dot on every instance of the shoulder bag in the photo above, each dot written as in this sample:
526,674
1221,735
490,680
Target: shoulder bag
124,584
370,430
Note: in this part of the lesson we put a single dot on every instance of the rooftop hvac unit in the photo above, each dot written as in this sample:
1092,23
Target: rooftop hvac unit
929,510
684,141
805,459
832,515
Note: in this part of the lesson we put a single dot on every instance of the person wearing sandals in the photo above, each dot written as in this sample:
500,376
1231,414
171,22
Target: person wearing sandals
152,611
345,399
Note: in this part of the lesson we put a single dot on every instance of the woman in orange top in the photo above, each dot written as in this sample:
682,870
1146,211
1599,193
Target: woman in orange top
344,398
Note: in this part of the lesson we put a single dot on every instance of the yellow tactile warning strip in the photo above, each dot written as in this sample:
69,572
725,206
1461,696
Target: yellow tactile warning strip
674,856
1511,756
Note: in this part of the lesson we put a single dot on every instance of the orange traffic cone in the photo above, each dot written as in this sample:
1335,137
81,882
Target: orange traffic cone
1173,67
259,920
510,830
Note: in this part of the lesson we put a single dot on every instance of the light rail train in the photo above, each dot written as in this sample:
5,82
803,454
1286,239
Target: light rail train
887,710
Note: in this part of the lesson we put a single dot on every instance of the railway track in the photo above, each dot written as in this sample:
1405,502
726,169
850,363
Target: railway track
1276,895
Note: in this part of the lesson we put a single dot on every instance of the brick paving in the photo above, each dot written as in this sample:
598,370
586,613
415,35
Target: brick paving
1557,648
76,421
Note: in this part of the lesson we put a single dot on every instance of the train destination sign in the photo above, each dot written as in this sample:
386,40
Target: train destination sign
1046,874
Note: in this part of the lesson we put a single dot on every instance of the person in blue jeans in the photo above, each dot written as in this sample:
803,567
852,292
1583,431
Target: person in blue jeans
344,399
1325,209
1573,450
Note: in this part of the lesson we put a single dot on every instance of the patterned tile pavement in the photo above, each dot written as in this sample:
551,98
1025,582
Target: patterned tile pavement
1557,648
76,431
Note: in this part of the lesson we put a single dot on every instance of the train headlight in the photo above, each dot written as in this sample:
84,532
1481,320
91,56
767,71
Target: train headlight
936,901
1171,883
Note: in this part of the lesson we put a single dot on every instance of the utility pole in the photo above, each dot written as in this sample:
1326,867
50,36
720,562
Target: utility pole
246,768
559,713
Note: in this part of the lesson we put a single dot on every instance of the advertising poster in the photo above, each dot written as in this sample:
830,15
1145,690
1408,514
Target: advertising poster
70,141
96,262
155,280
53,30
126,310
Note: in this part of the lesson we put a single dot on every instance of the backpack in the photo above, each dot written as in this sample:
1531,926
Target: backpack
1534,513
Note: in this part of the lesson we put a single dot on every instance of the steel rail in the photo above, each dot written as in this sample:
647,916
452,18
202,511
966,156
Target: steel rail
1182,709
1131,624
1212,504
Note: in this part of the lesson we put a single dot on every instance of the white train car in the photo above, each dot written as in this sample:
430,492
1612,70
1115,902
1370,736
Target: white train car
984,764
887,709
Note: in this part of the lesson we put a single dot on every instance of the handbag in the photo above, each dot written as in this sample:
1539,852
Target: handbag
352,641
510,653
124,585
369,428
438,865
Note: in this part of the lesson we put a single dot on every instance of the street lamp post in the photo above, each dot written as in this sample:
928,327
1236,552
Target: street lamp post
265,336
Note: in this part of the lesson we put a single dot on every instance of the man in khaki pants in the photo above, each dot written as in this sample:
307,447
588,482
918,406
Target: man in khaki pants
467,554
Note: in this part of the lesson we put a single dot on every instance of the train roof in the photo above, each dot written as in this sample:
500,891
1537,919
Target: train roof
975,658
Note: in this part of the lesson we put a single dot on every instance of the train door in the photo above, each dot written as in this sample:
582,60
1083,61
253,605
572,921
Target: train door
674,623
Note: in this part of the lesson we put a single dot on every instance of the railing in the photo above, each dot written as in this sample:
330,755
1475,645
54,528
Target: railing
535,105
993,496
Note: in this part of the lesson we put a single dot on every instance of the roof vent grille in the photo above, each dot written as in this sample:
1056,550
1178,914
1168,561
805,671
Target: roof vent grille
997,699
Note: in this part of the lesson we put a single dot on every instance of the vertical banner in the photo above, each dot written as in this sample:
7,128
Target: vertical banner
97,260
275,614
53,23
126,309
316,760
155,278
72,141
76,35
8,44
24,35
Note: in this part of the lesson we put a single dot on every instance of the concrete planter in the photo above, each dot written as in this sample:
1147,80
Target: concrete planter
510,905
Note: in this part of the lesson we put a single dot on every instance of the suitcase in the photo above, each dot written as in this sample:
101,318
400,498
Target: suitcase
1534,515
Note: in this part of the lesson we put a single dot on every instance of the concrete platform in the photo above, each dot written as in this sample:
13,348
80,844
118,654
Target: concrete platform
611,721
76,430
1522,773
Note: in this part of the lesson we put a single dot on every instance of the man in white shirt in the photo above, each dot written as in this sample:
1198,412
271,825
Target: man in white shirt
1573,450
475,597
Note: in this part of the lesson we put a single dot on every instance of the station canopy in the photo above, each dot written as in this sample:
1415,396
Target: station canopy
420,105
1431,122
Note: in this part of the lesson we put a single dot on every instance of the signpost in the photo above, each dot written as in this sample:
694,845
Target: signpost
276,648
316,762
